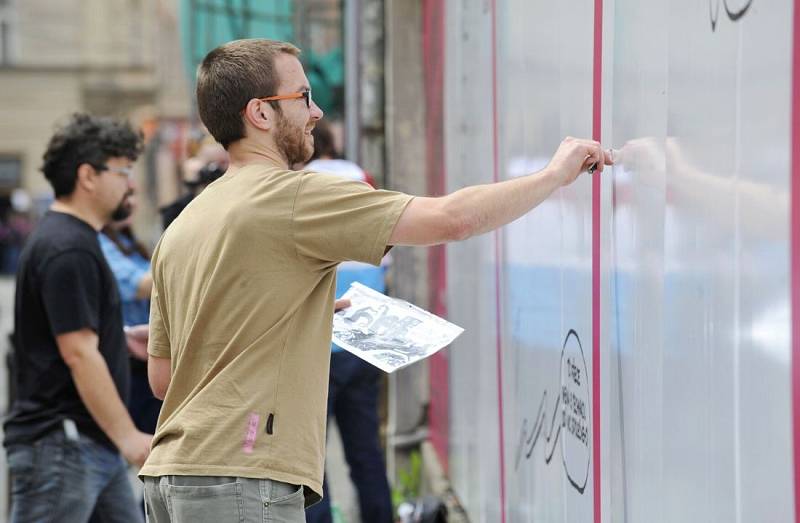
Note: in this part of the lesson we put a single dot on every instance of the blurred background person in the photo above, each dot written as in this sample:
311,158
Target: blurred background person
354,386
209,163
15,226
327,159
129,260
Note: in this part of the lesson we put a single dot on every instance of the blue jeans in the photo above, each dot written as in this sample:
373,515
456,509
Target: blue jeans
353,401
59,479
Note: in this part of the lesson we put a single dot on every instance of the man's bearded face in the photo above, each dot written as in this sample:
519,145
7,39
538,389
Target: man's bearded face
292,140
124,209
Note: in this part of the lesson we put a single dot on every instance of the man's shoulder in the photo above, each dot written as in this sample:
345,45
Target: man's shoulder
68,245
62,260
69,241
60,231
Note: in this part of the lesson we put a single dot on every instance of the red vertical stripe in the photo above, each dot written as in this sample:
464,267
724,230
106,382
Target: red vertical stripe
497,262
596,135
795,254
433,18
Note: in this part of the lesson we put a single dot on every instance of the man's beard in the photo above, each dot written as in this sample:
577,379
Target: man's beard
292,142
123,210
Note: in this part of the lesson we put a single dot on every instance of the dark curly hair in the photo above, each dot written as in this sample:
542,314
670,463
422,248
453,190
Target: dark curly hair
87,139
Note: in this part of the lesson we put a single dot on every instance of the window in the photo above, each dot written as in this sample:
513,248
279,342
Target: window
8,26
10,171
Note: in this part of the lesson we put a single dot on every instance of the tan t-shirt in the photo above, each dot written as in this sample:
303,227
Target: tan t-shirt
244,287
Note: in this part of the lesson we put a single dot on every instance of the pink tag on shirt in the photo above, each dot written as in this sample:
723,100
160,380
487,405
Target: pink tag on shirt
252,432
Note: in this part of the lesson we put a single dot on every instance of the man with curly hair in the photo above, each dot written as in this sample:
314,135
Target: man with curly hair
68,429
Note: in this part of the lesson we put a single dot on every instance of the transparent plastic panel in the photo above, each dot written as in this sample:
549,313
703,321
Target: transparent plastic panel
471,289
544,68
696,412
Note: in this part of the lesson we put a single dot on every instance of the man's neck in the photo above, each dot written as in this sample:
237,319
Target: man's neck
69,207
246,152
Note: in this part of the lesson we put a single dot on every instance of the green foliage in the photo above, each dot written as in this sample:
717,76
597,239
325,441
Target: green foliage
337,515
409,480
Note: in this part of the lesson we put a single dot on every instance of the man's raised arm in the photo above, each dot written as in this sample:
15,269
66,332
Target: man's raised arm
482,208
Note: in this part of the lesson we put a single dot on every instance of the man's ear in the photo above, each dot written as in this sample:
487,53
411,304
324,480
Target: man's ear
258,116
86,177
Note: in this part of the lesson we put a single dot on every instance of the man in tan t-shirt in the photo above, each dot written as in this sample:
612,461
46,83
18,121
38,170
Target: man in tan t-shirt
244,284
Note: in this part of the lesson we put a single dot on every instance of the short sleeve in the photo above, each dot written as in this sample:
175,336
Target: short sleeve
127,272
336,219
72,292
158,341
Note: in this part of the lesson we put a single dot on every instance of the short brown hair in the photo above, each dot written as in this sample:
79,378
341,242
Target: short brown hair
230,76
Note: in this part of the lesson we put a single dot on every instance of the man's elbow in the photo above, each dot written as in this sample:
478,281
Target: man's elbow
456,225
464,229
74,359
433,221
145,286
159,389
77,348
158,375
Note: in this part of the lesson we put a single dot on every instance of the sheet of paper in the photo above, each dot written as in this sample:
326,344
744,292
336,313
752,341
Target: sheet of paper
387,332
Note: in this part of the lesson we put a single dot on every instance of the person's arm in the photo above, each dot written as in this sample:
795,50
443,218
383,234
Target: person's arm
483,208
158,374
137,336
71,292
159,369
79,350
145,287
340,304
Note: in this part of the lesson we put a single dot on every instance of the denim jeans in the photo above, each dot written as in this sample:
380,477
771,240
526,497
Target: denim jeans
353,401
220,499
59,479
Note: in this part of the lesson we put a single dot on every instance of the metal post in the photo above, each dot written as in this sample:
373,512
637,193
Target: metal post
352,80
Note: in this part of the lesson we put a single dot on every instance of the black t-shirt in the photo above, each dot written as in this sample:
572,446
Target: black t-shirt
63,285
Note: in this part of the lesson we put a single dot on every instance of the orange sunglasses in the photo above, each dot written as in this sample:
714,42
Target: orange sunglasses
304,94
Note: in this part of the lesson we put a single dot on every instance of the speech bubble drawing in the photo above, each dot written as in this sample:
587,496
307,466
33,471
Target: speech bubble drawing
575,412
571,416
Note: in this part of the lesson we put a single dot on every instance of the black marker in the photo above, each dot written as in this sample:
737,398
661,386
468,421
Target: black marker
592,168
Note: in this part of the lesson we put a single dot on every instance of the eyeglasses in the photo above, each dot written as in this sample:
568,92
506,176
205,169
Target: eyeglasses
127,171
303,94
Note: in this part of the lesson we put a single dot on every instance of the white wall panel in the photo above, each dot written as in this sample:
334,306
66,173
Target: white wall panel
545,93
696,407
471,290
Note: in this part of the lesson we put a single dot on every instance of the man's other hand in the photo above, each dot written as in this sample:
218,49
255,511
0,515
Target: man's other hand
137,336
136,447
341,304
